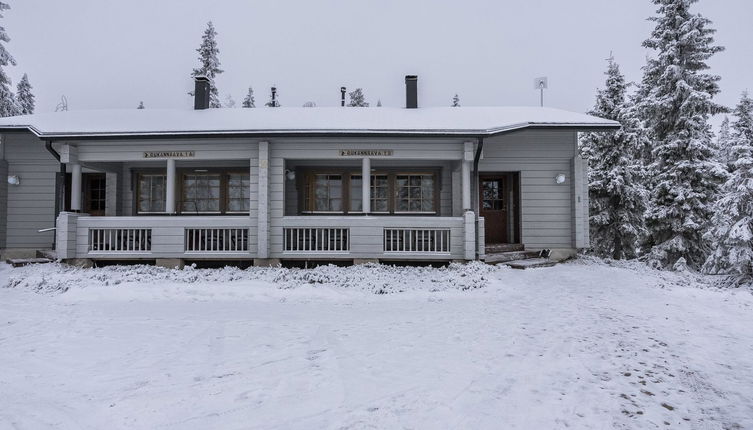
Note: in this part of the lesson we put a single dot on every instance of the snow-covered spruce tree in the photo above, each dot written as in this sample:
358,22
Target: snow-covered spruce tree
357,98
209,64
731,234
455,101
24,96
379,102
229,101
141,105
248,101
723,144
8,103
675,104
616,197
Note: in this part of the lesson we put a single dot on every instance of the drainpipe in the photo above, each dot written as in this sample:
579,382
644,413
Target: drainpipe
59,188
474,187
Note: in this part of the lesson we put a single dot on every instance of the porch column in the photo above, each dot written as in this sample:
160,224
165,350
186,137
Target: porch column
366,185
76,188
170,192
263,199
466,174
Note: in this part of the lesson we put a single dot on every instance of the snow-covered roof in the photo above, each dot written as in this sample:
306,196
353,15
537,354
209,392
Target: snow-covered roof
479,121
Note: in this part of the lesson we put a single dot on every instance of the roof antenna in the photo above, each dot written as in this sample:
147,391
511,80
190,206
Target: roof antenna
541,84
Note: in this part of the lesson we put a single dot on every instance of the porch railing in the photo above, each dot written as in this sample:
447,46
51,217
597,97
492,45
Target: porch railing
385,237
216,239
417,240
317,239
151,237
120,240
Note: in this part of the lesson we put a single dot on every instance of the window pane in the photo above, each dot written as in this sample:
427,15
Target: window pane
356,194
414,193
151,193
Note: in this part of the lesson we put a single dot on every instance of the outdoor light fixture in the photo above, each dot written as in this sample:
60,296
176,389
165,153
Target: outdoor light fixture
14,180
290,174
560,178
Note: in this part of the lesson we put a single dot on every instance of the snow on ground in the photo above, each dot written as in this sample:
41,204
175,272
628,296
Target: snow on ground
583,345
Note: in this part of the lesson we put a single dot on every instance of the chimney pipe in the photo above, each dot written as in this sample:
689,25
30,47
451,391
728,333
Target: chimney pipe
201,93
274,96
411,91
342,96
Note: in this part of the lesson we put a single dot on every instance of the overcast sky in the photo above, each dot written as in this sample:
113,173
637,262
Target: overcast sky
112,54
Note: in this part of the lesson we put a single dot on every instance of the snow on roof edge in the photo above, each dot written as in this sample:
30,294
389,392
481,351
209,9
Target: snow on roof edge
608,125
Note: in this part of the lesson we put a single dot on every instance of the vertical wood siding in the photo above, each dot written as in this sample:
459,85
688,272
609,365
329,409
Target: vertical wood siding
30,205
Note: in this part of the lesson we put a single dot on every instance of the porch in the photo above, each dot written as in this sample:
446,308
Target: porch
188,202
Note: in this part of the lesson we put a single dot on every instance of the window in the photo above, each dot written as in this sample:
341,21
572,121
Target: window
325,193
201,193
152,193
238,192
414,193
380,193
396,192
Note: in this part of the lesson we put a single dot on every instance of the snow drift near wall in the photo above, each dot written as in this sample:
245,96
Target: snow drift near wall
371,278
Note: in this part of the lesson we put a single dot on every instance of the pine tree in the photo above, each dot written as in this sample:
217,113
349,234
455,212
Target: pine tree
209,64
732,232
8,104
24,96
379,103
616,197
357,98
248,101
724,144
141,105
229,101
675,104
455,101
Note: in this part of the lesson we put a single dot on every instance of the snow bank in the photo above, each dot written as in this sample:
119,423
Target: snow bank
373,278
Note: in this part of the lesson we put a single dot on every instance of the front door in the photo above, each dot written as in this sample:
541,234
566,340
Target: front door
94,185
494,208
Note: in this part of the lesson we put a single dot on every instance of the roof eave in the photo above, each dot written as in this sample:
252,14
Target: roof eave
316,132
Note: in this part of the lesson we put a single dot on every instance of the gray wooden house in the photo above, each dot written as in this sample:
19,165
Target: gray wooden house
275,184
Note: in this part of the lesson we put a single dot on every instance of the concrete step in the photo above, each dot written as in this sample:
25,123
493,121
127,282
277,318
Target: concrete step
502,257
531,263
18,262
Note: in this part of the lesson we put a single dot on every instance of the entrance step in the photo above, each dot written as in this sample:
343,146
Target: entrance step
18,262
531,263
503,257
504,247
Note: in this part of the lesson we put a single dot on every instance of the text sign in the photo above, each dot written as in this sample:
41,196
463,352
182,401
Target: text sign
169,154
366,153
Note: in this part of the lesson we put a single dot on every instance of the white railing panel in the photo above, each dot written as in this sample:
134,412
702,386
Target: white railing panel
417,240
216,240
316,239
120,240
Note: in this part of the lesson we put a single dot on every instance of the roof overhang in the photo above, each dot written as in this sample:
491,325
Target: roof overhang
53,136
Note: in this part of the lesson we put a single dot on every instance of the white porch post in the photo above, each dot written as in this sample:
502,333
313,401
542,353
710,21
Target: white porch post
170,192
76,187
366,185
469,218
263,217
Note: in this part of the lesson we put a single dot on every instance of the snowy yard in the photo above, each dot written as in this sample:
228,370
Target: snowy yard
580,345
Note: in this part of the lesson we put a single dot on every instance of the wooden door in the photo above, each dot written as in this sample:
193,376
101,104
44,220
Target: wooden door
95,193
494,208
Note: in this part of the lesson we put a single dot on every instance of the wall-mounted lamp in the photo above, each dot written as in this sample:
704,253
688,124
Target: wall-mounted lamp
290,174
560,178
14,180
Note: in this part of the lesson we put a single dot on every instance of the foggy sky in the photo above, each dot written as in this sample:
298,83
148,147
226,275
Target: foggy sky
112,54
